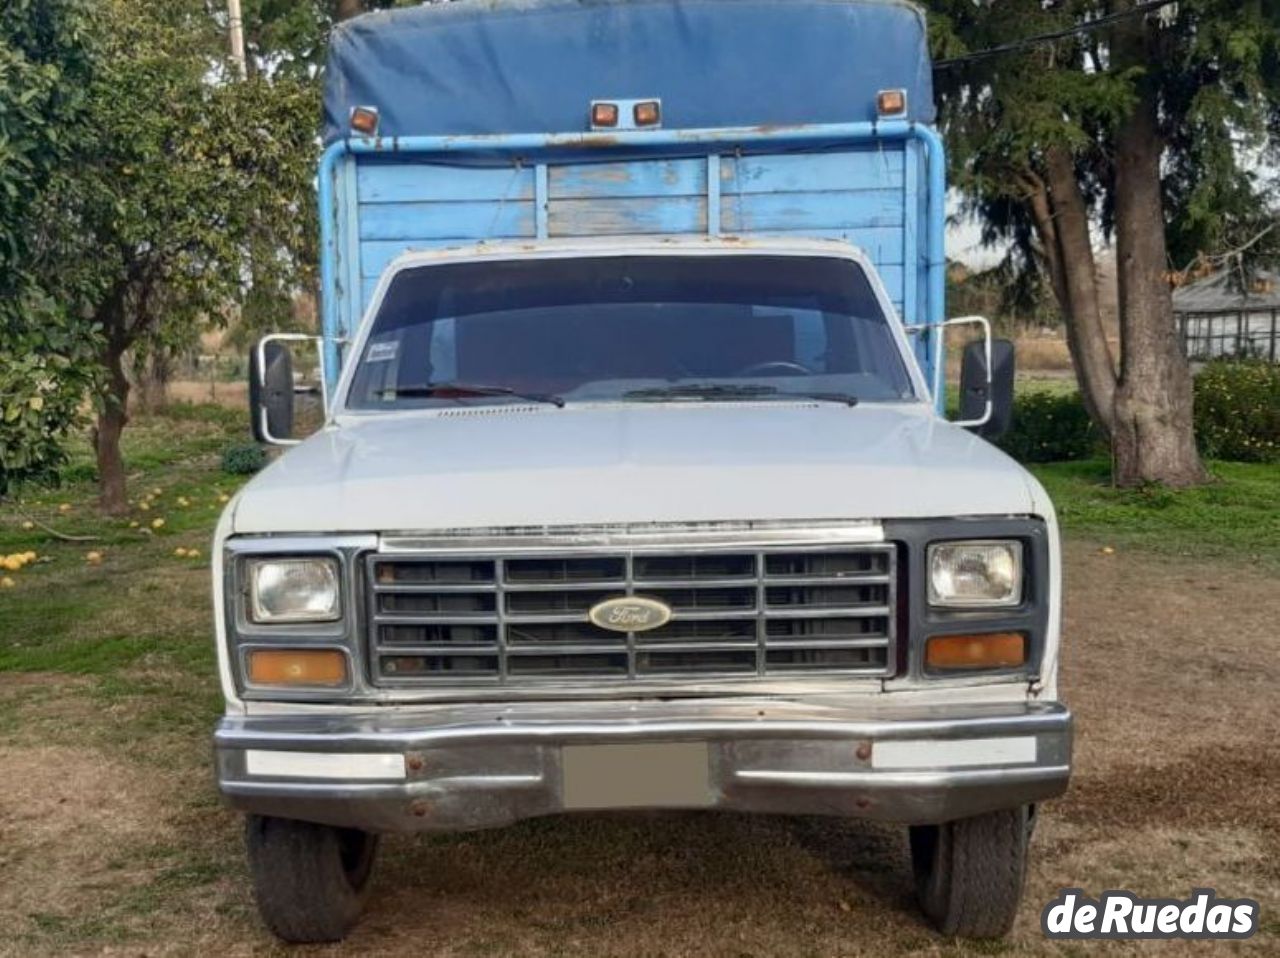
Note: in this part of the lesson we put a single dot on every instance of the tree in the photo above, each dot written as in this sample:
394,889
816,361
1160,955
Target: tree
195,191
1135,128
292,36
45,350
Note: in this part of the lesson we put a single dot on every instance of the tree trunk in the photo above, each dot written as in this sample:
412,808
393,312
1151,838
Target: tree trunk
1153,436
112,495
1086,333
151,376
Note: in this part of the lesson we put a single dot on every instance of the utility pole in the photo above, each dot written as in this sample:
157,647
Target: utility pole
235,31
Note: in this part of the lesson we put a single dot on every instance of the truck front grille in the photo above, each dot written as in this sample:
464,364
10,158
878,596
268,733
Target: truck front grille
523,619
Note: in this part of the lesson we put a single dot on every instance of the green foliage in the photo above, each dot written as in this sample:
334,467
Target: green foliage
1237,411
197,183
291,37
45,349
1237,418
171,194
41,393
1217,81
1005,296
243,459
1049,427
144,194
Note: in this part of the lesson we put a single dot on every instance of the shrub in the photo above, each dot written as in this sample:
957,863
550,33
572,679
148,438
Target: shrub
1048,427
1237,411
243,459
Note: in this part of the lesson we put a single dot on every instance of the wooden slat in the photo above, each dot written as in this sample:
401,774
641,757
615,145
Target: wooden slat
655,178
422,183
809,211
813,172
463,221
618,217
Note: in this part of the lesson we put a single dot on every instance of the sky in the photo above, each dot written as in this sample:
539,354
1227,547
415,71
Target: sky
964,244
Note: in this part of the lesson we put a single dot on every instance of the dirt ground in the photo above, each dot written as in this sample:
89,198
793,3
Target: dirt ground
120,847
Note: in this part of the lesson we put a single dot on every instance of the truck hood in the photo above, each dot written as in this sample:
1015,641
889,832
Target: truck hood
512,465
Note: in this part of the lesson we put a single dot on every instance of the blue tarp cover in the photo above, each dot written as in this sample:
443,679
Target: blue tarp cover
529,66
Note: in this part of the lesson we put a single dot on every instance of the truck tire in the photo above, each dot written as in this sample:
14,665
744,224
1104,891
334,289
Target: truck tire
309,880
970,873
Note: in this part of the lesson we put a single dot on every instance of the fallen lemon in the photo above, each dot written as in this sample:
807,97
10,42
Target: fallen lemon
93,558
65,507
28,525
6,583
180,552
157,523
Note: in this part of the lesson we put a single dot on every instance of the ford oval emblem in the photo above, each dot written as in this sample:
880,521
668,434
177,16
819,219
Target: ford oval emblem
631,613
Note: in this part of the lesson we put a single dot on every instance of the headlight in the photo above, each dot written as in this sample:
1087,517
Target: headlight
975,574
293,590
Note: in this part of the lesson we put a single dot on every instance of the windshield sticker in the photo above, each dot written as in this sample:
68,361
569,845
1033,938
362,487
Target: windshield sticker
382,352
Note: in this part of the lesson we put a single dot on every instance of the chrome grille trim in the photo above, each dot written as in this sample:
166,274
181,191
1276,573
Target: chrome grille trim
486,630
661,537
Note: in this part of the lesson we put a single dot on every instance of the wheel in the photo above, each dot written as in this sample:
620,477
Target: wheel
309,880
970,873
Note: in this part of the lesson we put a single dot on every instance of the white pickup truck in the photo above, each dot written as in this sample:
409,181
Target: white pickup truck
659,519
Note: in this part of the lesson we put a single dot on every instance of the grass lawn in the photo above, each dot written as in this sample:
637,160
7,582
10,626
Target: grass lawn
1237,516
75,609
107,669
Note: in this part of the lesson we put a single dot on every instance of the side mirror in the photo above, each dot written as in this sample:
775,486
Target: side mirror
271,392
986,392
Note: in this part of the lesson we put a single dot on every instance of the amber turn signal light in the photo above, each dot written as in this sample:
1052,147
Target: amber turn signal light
298,668
647,113
995,650
891,103
604,114
364,120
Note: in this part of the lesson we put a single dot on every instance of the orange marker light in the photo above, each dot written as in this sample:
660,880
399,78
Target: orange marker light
996,650
891,103
301,668
647,113
364,120
604,114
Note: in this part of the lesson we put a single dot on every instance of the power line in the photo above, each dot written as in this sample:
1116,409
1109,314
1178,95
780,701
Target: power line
1027,43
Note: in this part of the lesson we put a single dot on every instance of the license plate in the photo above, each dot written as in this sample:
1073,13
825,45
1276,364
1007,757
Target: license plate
648,775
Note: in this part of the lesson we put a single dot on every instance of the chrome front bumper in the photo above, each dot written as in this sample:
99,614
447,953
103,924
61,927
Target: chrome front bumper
449,768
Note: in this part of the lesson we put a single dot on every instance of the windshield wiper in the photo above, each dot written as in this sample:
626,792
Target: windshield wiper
727,392
708,391
844,398
455,390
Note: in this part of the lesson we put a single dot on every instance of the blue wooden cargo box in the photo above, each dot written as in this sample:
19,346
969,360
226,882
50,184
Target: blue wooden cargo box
769,127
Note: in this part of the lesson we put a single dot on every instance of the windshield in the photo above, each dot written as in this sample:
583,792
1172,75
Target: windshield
630,328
